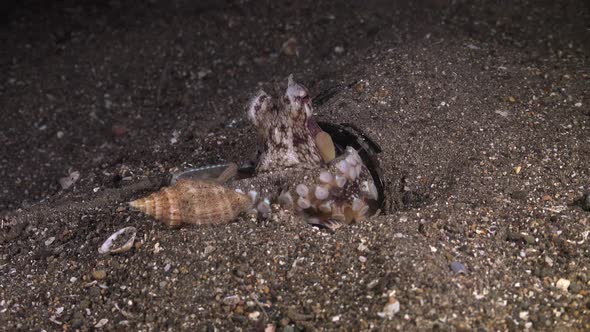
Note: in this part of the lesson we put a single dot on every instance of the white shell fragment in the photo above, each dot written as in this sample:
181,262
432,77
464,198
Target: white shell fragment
120,241
69,180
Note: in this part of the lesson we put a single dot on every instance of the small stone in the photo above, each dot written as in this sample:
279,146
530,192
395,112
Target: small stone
99,274
69,180
548,260
502,113
101,323
458,268
290,47
390,309
517,169
529,239
511,99
563,284
338,49
49,241
254,315
59,134
208,250
578,104
231,300
362,259
373,284
359,87
203,73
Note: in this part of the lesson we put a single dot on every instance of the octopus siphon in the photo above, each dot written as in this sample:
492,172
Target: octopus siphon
297,168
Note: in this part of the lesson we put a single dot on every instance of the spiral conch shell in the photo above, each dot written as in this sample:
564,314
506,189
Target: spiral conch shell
191,201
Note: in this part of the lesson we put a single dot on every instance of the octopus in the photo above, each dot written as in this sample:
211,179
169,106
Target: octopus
297,168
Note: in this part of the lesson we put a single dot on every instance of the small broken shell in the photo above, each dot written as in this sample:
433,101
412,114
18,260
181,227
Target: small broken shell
120,241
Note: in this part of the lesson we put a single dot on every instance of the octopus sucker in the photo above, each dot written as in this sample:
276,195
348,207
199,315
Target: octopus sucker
297,168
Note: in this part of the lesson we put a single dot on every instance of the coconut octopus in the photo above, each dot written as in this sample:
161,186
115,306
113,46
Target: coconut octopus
297,168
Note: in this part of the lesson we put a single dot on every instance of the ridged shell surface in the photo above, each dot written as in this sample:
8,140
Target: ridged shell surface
194,202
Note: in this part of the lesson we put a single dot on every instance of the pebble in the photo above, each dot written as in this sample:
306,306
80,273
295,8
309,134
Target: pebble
458,268
99,274
372,284
390,309
339,49
101,323
208,250
290,47
49,241
528,239
548,260
231,300
502,113
203,73
254,315
69,180
563,284
362,259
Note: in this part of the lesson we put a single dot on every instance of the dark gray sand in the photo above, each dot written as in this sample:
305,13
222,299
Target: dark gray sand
482,112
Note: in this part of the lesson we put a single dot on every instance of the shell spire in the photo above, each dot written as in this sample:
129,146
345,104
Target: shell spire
194,202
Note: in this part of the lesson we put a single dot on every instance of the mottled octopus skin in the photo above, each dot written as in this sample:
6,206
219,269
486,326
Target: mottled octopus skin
297,168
